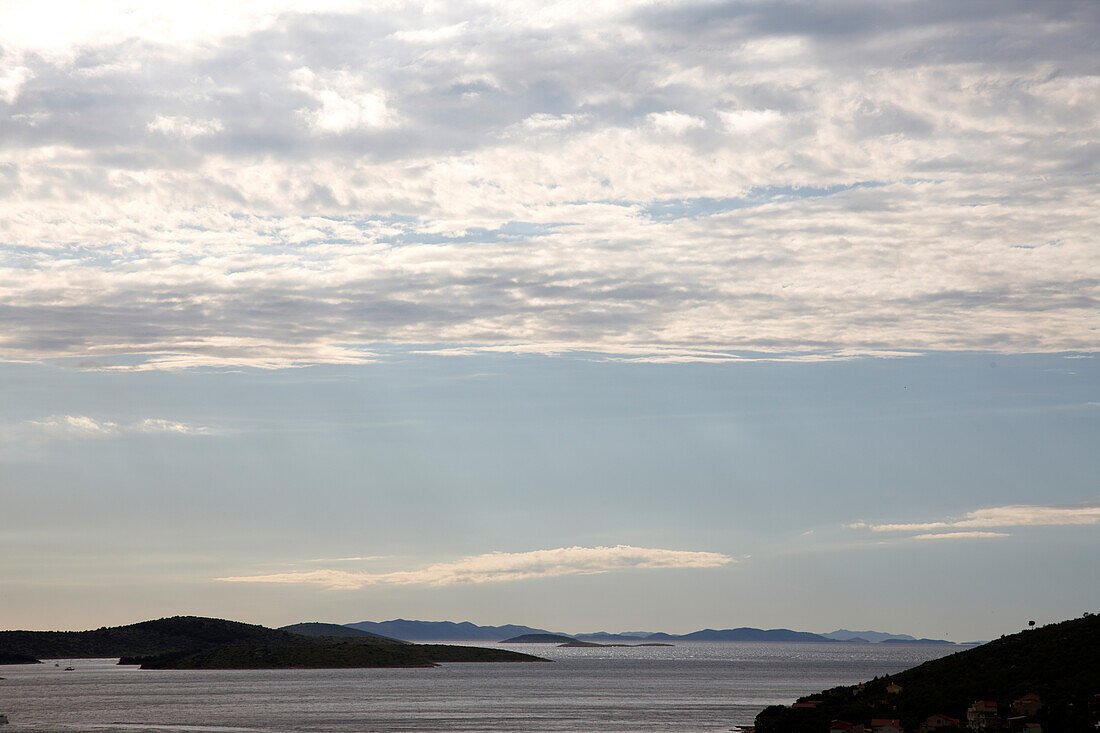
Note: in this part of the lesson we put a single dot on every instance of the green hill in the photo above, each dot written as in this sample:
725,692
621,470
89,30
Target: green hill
333,655
1059,662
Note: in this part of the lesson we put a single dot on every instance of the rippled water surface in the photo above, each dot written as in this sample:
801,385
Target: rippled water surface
688,687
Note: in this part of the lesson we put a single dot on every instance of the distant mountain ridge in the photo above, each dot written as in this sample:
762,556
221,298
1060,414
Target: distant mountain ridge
407,630
418,631
604,636
872,636
744,633
317,628
879,637
540,639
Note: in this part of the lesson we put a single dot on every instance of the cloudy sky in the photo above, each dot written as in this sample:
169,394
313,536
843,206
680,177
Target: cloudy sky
580,315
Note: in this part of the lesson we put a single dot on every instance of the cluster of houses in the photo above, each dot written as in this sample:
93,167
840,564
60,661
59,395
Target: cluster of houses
982,715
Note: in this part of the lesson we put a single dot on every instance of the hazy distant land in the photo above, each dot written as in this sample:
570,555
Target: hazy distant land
206,643
466,631
569,641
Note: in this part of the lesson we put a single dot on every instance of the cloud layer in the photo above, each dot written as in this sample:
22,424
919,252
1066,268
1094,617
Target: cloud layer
960,536
976,525
82,427
497,567
1013,515
695,180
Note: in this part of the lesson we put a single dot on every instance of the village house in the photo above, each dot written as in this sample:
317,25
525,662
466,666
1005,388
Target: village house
937,721
886,725
982,715
893,688
843,726
1028,705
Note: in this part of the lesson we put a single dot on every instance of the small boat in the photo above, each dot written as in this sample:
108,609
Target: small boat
3,720
70,668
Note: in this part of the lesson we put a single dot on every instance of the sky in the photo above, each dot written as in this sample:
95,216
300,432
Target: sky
601,315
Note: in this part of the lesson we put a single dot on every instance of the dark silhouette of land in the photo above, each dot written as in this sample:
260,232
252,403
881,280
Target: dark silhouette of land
179,633
191,642
317,628
17,659
538,639
443,630
1058,663
331,655
579,643
876,637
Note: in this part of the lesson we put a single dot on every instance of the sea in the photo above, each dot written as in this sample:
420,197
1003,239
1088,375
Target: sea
687,687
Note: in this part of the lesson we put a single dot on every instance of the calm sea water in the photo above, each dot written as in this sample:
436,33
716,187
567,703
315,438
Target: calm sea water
688,687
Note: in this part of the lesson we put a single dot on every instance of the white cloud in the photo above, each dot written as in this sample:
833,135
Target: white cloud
676,123
12,80
496,567
75,427
960,536
61,28
748,121
1017,515
82,427
169,426
551,122
1013,515
431,35
347,102
664,182
184,127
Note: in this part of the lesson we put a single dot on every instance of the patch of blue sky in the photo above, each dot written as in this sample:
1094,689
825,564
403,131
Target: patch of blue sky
409,230
509,231
24,255
699,207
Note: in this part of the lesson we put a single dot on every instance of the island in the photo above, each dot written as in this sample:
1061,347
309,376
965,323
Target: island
578,643
337,655
193,642
538,639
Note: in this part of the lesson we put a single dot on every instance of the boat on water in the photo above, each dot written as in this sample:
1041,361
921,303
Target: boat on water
3,719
